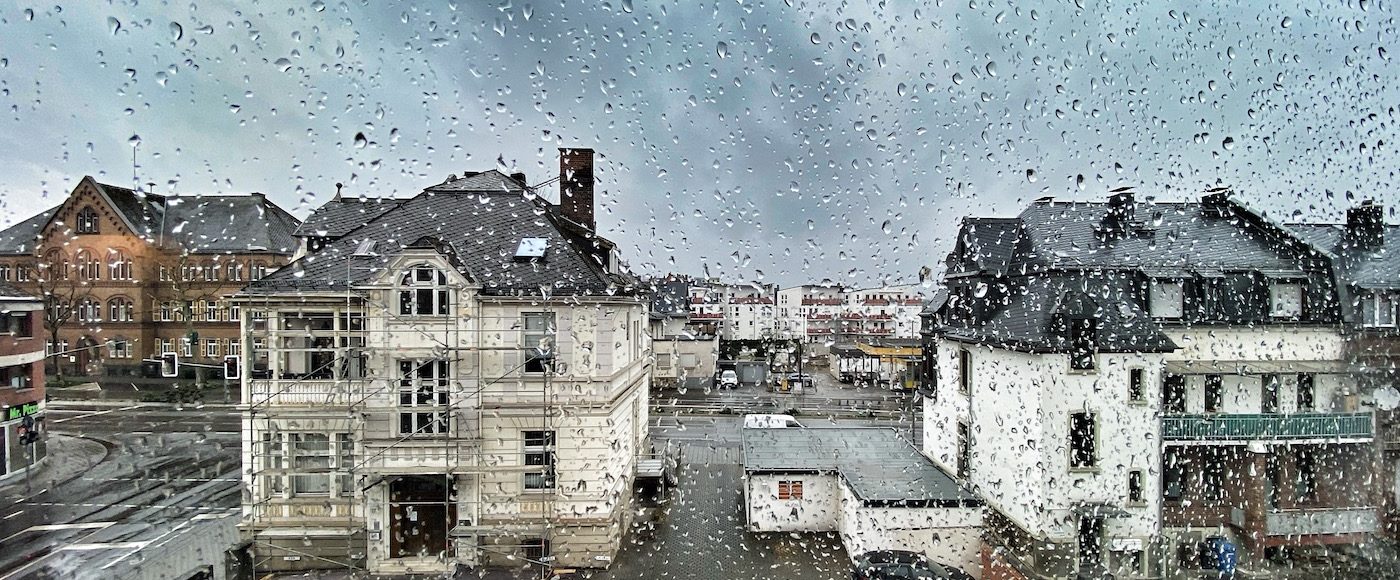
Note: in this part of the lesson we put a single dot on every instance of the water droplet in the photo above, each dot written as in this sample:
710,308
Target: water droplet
1228,143
722,49
992,69
360,141
283,64
1030,175
627,6
816,38
29,14
113,25
134,141
1287,21
957,78
176,31
1079,181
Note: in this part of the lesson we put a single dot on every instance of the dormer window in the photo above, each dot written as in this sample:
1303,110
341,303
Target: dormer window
87,220
1166,297
423,292
1286,299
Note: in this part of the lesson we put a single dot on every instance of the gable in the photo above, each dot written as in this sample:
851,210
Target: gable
64,222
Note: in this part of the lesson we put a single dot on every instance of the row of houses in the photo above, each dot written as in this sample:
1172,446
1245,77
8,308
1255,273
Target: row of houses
1129,386
822,313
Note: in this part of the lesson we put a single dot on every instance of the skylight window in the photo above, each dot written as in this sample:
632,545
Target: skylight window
366,248
531,248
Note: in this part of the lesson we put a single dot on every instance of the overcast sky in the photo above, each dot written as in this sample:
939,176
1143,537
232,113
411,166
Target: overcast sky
779,141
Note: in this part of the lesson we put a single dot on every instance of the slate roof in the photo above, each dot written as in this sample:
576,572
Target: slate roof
216,224
482,229
1374,269
207,223
1026,322
990,242
20,239
1060,261
879,466
1172,235
340,215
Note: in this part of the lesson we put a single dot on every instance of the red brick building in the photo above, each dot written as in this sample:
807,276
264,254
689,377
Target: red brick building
21,381
127,275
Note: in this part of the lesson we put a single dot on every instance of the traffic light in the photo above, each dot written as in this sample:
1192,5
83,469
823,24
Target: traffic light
231,366
169,365
26,432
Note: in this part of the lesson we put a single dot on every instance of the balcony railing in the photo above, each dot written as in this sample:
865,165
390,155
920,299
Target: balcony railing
1320,521
300,392
1255,427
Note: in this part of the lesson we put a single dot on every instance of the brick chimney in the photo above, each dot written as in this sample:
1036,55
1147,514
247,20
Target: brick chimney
1366,225
576,185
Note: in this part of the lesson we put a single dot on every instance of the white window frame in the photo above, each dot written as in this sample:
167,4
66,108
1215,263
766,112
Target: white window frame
424,397
423,291
211,348
1282,305
1167,298
538,449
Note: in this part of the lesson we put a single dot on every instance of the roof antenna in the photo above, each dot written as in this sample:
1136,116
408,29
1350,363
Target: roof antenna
338,185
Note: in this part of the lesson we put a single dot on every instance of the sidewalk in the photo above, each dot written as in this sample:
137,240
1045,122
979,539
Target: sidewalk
215,393
68,457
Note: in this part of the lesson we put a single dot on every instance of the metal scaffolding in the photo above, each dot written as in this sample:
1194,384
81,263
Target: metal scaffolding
346,394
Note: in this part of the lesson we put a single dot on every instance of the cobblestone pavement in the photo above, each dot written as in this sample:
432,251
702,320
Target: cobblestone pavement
699,534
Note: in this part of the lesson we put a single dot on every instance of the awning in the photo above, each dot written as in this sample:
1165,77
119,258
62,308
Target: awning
1256,367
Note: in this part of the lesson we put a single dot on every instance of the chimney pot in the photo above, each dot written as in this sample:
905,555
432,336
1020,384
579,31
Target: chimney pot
576,185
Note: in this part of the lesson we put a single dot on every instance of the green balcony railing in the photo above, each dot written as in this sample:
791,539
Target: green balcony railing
1254,427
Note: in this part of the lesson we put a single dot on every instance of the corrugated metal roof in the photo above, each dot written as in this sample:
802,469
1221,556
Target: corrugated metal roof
879,466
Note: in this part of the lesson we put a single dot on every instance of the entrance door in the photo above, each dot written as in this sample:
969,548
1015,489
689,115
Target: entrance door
1090,543
421,511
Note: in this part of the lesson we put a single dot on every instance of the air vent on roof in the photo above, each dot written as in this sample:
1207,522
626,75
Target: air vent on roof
531,248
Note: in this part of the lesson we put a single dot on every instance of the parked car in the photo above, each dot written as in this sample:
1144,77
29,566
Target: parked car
770,422
901,565
728,379
803,378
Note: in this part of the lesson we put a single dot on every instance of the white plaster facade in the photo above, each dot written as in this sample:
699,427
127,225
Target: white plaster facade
520,458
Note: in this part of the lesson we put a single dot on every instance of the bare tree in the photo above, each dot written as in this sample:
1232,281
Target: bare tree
60,291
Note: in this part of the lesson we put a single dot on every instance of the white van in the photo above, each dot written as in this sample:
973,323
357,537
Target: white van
728,379
770,422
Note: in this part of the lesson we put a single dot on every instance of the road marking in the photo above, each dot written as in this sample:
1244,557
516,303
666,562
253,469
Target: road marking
105,546
96,413
52,527
14,514
19,573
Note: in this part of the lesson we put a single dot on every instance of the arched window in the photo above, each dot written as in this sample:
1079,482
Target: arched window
120,309
87,220
423,291
54,266
118,265
233,271
210,271
259,270
89,310
88,266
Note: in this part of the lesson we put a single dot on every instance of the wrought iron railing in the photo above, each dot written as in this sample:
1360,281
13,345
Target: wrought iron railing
1268,426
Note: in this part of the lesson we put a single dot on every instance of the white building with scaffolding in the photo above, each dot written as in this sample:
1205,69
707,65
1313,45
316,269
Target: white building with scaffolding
460,381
